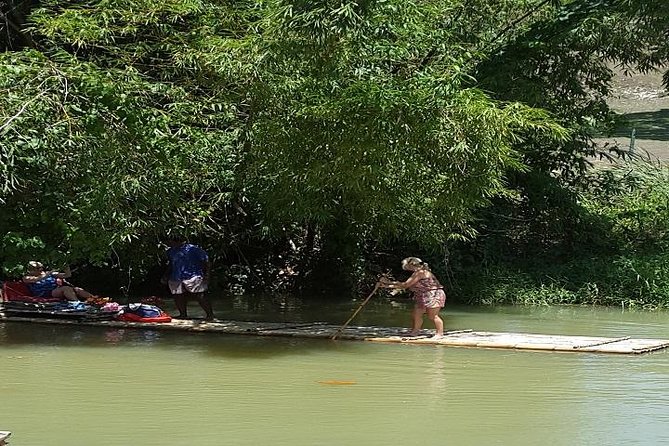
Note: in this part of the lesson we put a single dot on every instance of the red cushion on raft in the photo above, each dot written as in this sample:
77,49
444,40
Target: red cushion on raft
130,317
19,292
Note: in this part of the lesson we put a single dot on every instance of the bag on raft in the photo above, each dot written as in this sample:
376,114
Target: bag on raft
143,313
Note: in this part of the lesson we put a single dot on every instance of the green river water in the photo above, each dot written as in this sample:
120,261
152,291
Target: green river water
92,386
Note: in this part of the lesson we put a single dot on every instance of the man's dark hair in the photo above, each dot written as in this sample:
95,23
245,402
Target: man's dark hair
178,238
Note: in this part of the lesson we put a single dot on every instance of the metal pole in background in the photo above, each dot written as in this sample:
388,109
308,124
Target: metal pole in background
632,141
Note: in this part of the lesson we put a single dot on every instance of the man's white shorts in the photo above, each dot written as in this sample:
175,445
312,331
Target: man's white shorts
195,284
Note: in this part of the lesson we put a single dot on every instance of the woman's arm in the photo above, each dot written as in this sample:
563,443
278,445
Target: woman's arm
65,274
31,279
411,281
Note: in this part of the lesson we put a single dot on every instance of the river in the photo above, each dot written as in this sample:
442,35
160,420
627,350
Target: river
106,387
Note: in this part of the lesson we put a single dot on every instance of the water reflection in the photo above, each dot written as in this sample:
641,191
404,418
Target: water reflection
15,334
437,378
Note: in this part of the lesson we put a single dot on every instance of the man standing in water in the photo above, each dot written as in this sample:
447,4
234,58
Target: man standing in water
187,275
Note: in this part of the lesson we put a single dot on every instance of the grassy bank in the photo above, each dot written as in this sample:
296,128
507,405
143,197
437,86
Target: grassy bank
640,281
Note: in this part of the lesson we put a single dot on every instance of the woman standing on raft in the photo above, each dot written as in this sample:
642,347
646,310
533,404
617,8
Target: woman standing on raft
428,294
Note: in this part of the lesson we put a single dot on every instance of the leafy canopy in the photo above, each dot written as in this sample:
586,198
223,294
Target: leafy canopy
372,121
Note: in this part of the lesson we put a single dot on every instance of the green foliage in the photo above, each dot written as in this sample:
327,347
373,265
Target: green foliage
621,260
13,15
564,216
634,200
635,280
290,134
19,249
350,118
99,162
560,61
354,127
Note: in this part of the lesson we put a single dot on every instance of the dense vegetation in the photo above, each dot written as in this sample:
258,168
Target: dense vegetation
312,143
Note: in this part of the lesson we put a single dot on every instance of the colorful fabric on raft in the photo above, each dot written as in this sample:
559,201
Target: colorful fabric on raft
111,307
186,261
72,305
97,300
18,302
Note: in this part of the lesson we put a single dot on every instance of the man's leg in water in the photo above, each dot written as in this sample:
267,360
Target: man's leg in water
181,301
205,303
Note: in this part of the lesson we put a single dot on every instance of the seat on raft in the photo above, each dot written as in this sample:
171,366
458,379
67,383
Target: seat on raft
17,291
18,301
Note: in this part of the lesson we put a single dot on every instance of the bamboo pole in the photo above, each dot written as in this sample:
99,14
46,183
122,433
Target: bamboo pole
339,331
608,341
291,326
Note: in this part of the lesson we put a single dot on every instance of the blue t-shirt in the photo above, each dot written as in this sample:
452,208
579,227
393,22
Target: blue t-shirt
186,261
43,287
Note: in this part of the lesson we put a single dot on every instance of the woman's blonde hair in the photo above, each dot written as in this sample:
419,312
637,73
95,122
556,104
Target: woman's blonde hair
33,264
415,261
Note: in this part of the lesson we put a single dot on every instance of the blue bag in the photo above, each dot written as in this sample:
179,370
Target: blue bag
143,310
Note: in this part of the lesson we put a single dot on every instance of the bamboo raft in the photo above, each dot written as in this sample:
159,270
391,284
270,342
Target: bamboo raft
321,330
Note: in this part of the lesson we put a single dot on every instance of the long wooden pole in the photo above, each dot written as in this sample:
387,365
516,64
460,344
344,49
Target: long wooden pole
608,341
339,331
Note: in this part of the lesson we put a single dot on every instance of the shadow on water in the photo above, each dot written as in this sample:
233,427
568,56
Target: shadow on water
381,311
250,347
647,125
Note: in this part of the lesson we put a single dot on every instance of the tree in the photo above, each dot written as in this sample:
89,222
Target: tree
100,161
355,123
363,120
559,58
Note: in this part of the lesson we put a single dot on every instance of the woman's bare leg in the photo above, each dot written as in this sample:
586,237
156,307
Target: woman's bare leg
433,315
64,291
416,320
80,292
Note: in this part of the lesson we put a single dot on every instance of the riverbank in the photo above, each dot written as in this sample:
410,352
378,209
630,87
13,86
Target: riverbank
642,104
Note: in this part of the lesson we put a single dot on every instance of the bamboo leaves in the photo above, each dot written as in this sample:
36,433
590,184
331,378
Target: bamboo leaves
370,147
377,120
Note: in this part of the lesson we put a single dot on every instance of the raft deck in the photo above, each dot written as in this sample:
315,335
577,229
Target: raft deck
454,338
